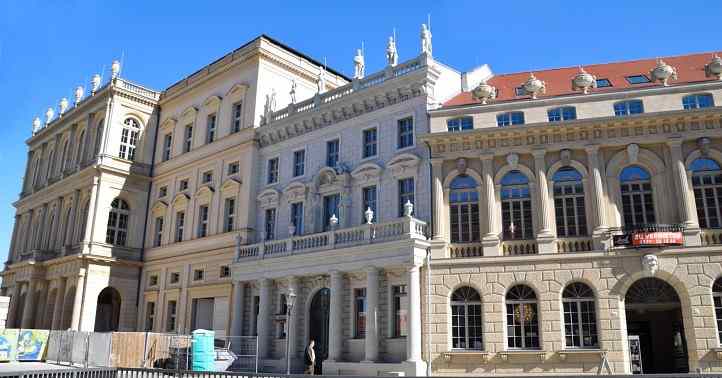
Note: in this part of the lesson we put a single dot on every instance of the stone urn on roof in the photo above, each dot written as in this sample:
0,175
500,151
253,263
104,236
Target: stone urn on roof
583,80
534,86
714,67
484,92
663,72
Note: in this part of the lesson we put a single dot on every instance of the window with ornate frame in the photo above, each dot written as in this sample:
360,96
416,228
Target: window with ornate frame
464,210
635,185
117,231
211,128
571,216
707,185
180,219
369,143
516,212
522,318
129,139
466,324
580,316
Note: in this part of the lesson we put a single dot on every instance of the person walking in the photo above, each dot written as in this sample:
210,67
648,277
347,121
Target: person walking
309,358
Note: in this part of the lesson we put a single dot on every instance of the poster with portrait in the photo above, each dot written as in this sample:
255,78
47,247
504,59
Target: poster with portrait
32,344
8,343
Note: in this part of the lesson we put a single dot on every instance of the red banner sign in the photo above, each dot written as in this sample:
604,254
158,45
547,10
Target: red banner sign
640,239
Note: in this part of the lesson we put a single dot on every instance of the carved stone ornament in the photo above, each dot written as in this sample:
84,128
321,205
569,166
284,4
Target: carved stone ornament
484,92
703,144
63,106
115,69
714,67
512,160
426,47
49,115
392,56
369,215
566,156
359,65
95,84
408,208
583,81
534,86
633,153
650,264
79,91
663,72
461,166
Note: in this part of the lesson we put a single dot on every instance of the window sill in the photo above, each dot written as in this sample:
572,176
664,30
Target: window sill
463,353
565,353
523,353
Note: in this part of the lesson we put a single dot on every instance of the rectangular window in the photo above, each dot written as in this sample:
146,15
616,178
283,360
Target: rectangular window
368,197
211,128
153,280
203,221
188,138
158,235
697,101
359,308
225,271
369,141
174,277
332,152
330,209
406,193
400,305
625,108
167,146
149,316
519,91
270,224
198,275
229,214
162,191
183,185
564,113
236,118
637,79
511,118
207,177
272,174
460,124
299,163
405,132
233,168
170,322
180,219
297,217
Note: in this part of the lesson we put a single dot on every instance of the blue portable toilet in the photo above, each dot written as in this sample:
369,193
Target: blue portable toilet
203,353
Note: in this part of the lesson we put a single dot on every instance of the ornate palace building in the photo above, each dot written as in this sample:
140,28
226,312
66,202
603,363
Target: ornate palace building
565,221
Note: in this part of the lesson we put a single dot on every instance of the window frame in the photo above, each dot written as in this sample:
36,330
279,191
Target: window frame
687,105
649,216
568,215
628,109
369,148
525,209
404,195
707,189
467,206
211,126
129,136
457,315
333,157
118,223
299,163
405,133
367,202
149,316
229,214
460,126
399,311
296,211
360,311
203,220
180,217
327,211
170,325
272,170
236,117
188,138
233,168
578,311
269,222
637,79
167,146
510,121
523,305
158,232
564,114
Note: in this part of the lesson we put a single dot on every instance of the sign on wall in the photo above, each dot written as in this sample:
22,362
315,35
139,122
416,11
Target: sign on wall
648,239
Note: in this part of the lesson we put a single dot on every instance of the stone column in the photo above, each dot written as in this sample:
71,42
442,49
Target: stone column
413,335
436,176
292,322
335,324
685,197
13,308
237,313
490,240
264,319
29,308
546,234
57,320
78,300
371,342
69,237
88,236
13,239
598,205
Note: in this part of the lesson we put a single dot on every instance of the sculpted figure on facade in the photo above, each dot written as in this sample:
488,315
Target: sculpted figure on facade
292,93
270,106
359,66
321,82
426,47
650,264
392,56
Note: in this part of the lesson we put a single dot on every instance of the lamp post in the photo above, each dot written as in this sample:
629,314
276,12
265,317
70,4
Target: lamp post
289,323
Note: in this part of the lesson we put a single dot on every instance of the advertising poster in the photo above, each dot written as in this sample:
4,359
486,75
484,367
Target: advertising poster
31,344
8,342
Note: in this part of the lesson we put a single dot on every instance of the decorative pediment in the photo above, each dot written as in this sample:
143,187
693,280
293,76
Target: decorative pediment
367,172
159,208
295,192
189,115
237,89
231,185
268,198
205,191
180,201
168,124
404,165
213,103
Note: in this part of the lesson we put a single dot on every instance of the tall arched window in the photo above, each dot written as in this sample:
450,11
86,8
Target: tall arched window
522,321
717,297
637,199
516,213
129,138
707,184
466,326
464,210
580,316
569,208
117,223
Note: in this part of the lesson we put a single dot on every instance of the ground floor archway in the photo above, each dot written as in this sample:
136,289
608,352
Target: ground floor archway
655,328
107,313
318,314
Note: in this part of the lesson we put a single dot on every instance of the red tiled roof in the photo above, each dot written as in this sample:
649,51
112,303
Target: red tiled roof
690,69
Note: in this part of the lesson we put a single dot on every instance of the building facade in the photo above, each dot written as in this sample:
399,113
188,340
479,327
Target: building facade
566,221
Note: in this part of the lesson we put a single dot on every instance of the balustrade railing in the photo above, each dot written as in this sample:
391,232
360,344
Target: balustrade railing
576,244
711,236
463,250
519,247
401,228
137,89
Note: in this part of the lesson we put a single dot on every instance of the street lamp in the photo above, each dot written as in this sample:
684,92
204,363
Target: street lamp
289,310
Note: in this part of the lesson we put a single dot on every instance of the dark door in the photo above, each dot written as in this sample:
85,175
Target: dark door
318,325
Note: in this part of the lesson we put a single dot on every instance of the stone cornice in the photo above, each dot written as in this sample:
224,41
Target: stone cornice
644,128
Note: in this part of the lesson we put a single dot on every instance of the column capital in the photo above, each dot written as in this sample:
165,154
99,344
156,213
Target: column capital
372,270
487,156
539,153
265,282
436,162
592,148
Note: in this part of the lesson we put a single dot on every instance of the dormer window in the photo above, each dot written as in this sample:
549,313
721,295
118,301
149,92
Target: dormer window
637,79
510,118
519,91
603,83
564,113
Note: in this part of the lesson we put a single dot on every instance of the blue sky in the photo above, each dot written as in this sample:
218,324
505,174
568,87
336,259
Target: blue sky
49,47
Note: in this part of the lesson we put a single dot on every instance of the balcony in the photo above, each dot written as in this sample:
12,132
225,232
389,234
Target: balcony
399,229
519,247
711,236
575,244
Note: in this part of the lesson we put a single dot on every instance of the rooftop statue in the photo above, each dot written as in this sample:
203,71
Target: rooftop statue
359,66
392,56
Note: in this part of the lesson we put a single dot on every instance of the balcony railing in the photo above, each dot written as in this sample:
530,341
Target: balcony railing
711,236
465,250
402,228
576,244
519,247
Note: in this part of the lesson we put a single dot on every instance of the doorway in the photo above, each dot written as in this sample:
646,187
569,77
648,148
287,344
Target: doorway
318,313
655,328
107,313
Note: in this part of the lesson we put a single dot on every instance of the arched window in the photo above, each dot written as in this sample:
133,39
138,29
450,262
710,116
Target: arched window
707,184
516,213
522,321
466,326
63,156
117,223
569,208
717,297
695,101
129,138
81,147
580,316
464,210
637,200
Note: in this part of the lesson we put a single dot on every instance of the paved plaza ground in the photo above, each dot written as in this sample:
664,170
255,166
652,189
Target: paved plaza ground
11,367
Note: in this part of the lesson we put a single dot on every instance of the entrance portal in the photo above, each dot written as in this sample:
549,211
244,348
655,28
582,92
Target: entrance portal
318,325
655,328
107,314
